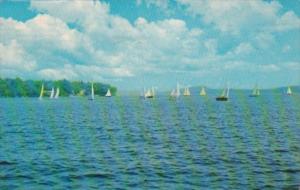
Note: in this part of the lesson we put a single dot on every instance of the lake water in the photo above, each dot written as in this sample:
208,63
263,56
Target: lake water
129,143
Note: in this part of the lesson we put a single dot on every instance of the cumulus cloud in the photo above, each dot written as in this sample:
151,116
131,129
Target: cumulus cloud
13,56
239,16
82,40
101,44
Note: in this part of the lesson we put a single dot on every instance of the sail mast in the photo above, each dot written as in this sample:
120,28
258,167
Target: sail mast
92,91
227,95
177,90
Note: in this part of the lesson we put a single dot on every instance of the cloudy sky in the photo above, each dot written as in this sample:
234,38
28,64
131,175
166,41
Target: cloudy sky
136,43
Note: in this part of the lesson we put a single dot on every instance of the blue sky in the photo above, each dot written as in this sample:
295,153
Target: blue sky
139,43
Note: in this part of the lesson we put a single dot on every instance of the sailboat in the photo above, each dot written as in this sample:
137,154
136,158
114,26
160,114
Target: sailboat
57,93
255,92
149,93
187,91
108,93
224,96
202,92
175,92
92,97
42,92
52,93
289,91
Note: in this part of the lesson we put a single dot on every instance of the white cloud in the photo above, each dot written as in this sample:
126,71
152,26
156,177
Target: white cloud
13,56
57,73
162,4
264,40
104,46
243,48
243,16
288,21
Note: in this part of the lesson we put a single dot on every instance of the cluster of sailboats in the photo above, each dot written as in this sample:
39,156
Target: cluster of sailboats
92,97
224,96
53,94
150,93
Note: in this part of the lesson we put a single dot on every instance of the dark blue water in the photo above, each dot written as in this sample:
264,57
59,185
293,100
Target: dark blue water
129,143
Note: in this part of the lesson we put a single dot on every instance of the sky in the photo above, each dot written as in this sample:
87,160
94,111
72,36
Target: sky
133,44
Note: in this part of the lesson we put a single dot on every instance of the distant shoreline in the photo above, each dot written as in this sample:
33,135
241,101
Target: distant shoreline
31,88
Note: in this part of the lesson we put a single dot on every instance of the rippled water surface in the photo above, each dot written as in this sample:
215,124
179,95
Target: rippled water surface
129,143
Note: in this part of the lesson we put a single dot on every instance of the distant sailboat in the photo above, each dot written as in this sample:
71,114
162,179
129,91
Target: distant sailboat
173,93
202,92
289,91
176,92
149,93
52,93
255,92
92,97
57,93
42,92
108,93
224,96
187,91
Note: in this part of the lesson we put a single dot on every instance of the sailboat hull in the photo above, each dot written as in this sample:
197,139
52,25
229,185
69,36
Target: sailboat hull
221,98
253,95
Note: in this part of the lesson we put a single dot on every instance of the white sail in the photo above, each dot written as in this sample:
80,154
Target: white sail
255,91
223,93
173,93
202,93
108,93
42,92
186,91
52,93
177,90
289,91
148,94
57,93
227,93
92,92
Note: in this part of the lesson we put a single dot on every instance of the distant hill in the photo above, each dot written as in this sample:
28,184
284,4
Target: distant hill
294,88
31,88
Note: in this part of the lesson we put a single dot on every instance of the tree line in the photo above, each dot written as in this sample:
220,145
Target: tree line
31,88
